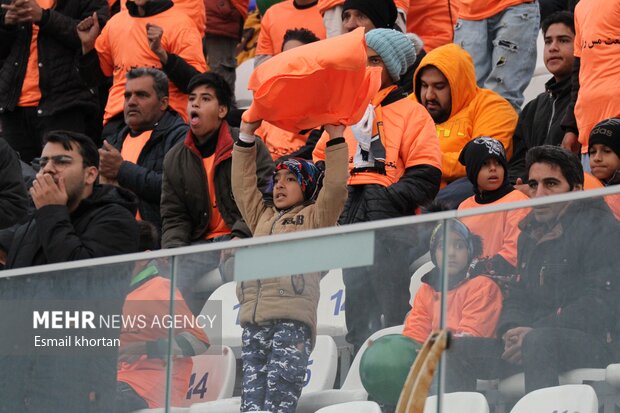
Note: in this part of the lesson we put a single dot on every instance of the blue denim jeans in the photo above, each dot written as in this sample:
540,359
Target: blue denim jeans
503,47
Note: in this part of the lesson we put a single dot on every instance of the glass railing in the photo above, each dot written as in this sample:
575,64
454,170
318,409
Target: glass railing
165,329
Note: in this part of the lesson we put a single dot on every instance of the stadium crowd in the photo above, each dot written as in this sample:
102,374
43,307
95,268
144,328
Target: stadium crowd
120,132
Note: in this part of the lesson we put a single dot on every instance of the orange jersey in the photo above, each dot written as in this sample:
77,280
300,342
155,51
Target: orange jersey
31,94
410,140
279,141
217,226
613,201
282,17
483,9
194,9
431,21
475,111
597,43
123,45
325,5
499,230
147,376
473,306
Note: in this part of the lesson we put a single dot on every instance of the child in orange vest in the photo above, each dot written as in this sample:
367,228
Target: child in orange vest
474,302
604,151
486,166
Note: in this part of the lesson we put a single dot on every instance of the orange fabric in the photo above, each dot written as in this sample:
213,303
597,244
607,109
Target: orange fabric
194,9
409,141
282,17
147,376
473,309
402,5
482,9
613,201
430,19
217,226
31,94
278,141
316,84
501,236
475,111
597,24
132,146
123,45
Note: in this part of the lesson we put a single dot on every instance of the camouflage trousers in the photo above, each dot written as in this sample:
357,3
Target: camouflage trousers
275,359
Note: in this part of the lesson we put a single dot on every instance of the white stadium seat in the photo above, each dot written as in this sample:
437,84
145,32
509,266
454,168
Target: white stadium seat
579,398
244,96
352,407
462,402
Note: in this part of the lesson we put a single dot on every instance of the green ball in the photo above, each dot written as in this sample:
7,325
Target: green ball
263,5
385,365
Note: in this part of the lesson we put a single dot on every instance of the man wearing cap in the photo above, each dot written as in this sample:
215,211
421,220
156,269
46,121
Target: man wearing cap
445,84
342,16
395,167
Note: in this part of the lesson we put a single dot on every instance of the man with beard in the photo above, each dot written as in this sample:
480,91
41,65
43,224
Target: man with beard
445,84
75,219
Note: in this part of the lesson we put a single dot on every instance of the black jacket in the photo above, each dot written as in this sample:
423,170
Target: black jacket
185,201
145,177
13,196
58,46
539,124
102,225
568,274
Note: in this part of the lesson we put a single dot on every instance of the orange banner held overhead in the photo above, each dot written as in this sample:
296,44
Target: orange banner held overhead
320,83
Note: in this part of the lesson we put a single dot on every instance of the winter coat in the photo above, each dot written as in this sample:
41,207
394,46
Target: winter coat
473,307
567,276
539,124
145,177
102,225
185,201
57,46
475,111
295,297
413,163
13,196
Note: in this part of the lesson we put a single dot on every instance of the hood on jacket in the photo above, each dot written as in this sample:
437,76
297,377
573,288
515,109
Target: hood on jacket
458,67
108,194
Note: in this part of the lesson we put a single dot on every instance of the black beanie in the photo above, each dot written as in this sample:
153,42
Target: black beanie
479,150
382,13
607,132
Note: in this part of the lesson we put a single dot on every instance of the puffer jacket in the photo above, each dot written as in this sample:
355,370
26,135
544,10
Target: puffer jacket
568,277
145,177
295,297
475,111
57,46
185,200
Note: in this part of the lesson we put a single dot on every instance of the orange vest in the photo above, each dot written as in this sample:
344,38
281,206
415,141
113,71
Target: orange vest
501,236
433,21
613,201
31,93
123,45
282,17
278,141
473,308
410,140
147,376
131,149
217,226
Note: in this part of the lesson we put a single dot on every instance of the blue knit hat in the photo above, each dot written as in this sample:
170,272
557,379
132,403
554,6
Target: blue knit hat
394,48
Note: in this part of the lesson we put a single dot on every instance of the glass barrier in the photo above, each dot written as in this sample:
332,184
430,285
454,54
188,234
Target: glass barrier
326,314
